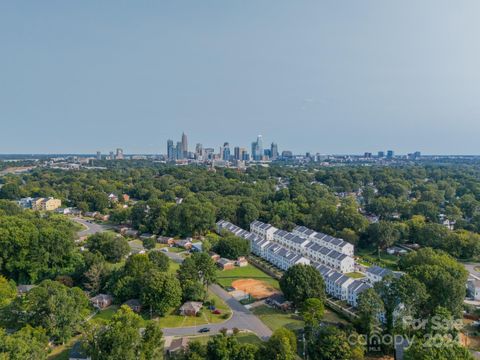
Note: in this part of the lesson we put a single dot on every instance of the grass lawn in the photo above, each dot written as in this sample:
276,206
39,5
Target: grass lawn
175,249
105,315
369,257
62,352
355,275
332,317
173,320
243,338
225,278
173,267
276,319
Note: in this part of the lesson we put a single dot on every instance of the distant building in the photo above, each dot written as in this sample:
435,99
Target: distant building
191,308
45,204
119,155
134,304
257,148
225,264
274,151
184,146
99,155
390,154
171,151
226,152
101,301
381,154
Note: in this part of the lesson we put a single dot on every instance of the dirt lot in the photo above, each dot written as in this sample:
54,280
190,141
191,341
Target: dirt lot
258,289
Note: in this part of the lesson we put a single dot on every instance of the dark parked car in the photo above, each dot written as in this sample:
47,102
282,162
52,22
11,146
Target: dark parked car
204,330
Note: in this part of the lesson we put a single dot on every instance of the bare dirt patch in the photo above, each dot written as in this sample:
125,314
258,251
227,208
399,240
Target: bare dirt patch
258,289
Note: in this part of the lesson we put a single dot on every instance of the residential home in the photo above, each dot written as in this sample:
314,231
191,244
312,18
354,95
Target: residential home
101,301
279,301
177,345
91,214
473,287
134,304
377,273
46,204
197,247
146,236
186,244
262,230
126,197
131,233
214,257
113,198
165,240
225,264
191,308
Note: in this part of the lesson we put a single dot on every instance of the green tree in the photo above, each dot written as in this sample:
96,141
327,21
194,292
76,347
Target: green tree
160,291
331,343
282,345
160,260
370,306
8,291
383,234
121,338
26,343
231,247
436,350
312,313
113,247
199,267
302,282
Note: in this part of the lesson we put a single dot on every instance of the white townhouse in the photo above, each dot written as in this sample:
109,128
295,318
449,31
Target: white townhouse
377,273
327,241
354,291
258,247
263,230
282,257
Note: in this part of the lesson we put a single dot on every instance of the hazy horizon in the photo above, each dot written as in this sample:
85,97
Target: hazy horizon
318,76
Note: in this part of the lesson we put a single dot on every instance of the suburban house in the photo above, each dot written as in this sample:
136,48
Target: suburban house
146,236
101,301
177,345
23,289
113,198
225,264
134,304
165,240
91,214
213,256
279,301
186,244
131,233
190,308
197,247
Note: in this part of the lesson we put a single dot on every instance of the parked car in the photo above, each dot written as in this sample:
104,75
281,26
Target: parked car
165,249
216,312
211,307
204,330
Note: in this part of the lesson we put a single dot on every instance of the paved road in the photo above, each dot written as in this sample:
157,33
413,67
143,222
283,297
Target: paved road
470,267
242,319
91,227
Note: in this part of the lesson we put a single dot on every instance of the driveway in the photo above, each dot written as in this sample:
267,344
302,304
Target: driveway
242,319
91,227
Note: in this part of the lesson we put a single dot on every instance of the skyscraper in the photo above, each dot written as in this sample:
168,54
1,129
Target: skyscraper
170,150
184,146
226,152
119,155
257,148
180,152
199,151
390,154
99,155
274,151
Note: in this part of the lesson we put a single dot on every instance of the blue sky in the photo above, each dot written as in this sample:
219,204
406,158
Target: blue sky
322,76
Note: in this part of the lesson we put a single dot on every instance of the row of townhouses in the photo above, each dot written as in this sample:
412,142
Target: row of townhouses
316,247
284,250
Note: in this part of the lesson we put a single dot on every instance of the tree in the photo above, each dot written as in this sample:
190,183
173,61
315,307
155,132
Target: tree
370,306
282,345
121,338
55,307
246,213
94,277
383,234
302,282
26,343
443,277
160,260
198,267
8,291
435,349
10,191
160,291
149,243
331,343
312,312
114,248
231,247
193,291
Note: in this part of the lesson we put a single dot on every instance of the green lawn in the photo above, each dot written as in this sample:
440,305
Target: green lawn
106,314
173,267
226,277
243,338
62,352
276,319
355,275
370,257
173,320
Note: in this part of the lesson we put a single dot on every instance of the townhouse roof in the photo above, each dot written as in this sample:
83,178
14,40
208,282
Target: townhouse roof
379,271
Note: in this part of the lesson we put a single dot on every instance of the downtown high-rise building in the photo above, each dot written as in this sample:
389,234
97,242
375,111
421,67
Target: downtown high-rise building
273,151
184,146
257,148
180,152
171,151
119,155
226,152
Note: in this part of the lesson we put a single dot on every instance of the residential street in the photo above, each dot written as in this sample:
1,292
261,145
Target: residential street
91,227
242,319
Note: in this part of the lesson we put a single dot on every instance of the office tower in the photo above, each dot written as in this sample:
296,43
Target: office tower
209,153
274,151
170,150
390,154
180,152
236,153
199,151
267,153
367,155
184,145
112,156
226,152
119,155
381,154
257,148
99,155
286,154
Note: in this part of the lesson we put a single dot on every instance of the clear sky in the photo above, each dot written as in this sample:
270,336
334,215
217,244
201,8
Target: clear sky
322,76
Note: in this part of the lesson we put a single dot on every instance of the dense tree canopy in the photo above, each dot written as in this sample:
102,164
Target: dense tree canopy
302,282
